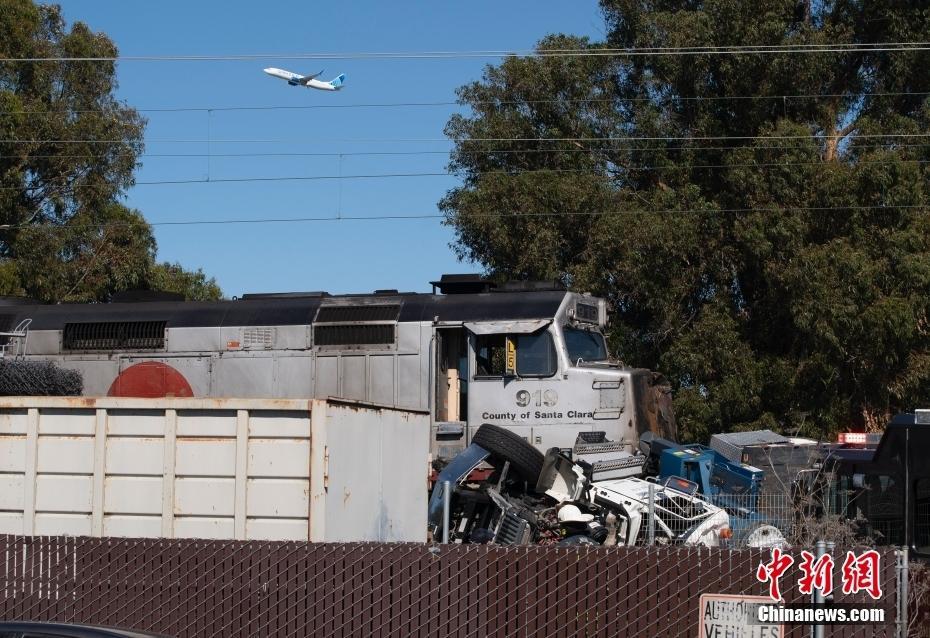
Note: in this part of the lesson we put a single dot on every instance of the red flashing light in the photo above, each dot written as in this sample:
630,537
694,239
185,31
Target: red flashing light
859,438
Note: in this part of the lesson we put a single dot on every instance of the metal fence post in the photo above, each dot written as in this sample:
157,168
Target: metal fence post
446,507
901,569
651,530
831,548
817,596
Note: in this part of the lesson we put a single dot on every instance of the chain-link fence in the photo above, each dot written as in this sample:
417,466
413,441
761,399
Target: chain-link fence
231,589
19,377
671,517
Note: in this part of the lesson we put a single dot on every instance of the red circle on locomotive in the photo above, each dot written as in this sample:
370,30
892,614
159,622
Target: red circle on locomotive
150,380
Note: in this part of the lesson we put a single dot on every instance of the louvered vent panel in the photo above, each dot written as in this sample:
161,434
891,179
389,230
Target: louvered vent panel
258,338
115,335
353,335
348,314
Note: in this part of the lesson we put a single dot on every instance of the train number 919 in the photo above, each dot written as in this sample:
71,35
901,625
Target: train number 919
538,398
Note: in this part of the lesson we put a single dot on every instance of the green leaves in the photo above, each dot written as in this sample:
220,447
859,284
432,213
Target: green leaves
194,285
68,152
777,272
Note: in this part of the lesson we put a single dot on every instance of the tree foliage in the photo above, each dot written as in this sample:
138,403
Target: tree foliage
194,285
758,221
68,151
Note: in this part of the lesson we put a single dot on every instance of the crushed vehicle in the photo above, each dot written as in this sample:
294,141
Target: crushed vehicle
733,485
594,498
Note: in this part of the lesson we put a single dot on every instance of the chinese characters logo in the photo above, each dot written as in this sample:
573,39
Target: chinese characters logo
858,573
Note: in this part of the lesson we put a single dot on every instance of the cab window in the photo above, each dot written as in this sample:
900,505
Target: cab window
536,355
489,356
584,345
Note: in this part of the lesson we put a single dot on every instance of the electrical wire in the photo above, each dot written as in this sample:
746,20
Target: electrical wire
402,217
701,98
493,151
645,138
507,173
799,48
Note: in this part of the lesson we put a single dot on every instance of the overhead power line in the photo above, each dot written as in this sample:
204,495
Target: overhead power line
594,51
506,173
493,214
487,151
436,140
305,107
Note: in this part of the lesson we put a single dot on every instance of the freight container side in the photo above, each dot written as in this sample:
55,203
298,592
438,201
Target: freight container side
211,468
370,473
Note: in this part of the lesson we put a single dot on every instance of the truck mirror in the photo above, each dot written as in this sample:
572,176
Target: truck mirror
510,356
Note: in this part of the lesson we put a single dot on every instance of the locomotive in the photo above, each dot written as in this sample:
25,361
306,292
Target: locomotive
528,356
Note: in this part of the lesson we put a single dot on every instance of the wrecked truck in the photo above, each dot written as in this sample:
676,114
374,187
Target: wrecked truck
526,497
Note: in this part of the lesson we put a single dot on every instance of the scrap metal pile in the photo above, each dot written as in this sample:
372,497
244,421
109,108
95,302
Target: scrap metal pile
503,490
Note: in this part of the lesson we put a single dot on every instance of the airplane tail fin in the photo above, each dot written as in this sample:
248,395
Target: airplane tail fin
338,81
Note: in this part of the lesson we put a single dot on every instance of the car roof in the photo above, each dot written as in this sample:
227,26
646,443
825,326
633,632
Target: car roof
74,631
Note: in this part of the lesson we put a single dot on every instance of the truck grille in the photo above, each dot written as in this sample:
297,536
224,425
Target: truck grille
513,530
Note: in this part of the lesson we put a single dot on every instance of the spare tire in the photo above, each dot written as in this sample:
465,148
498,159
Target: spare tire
505,445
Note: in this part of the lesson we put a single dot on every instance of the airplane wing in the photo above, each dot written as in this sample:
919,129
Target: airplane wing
306,78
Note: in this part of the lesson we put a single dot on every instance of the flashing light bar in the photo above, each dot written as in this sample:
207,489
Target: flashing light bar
859,438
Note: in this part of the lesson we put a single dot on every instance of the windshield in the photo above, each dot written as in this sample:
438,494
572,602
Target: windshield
584,344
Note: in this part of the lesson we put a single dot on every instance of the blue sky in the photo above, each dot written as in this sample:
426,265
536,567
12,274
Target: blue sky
343,256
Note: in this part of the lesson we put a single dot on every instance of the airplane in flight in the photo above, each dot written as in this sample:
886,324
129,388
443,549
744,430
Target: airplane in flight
308,81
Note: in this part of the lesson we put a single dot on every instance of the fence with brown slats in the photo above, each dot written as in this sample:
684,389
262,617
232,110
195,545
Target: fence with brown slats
230,589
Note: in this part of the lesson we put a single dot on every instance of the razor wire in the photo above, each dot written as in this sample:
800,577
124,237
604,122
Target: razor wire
38,378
